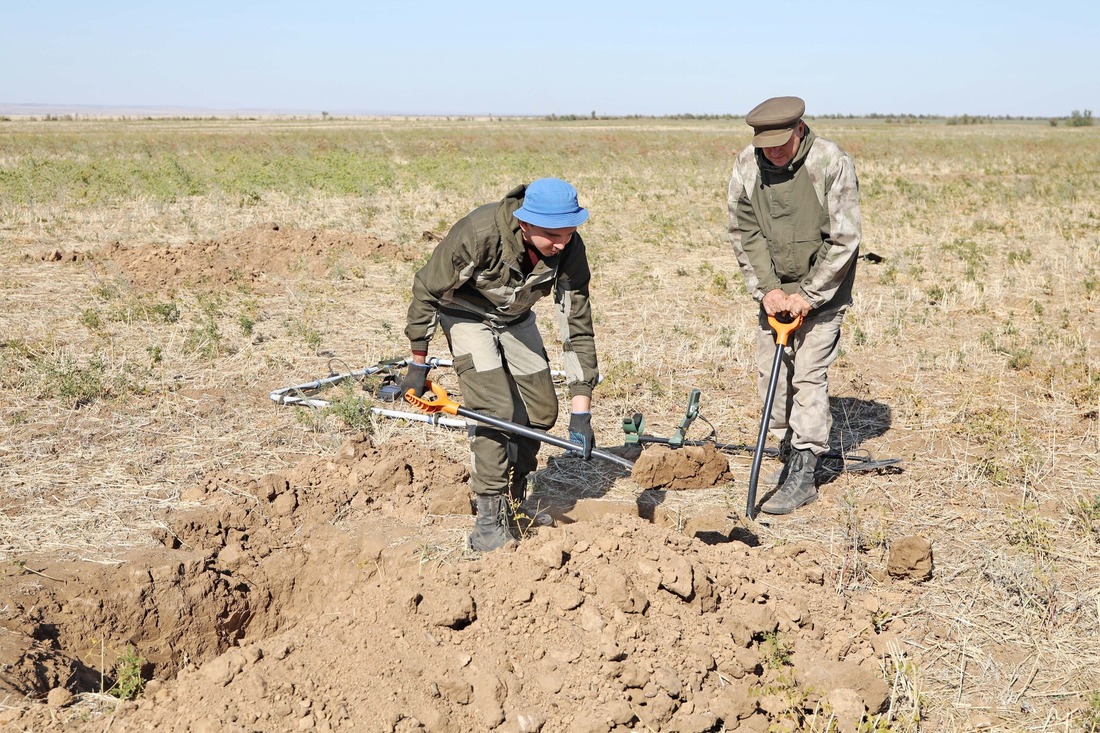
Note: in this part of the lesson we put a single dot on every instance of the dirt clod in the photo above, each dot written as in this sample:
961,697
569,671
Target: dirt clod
910,557
59,697
691,467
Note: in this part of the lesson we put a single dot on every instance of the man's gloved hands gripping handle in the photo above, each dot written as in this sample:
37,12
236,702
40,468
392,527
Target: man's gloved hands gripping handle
580,432
416,377
580,423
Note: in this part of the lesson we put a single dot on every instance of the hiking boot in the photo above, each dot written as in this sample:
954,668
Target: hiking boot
783,453
490,530
799,489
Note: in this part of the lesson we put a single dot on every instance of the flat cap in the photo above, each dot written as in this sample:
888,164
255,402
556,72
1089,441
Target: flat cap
773,120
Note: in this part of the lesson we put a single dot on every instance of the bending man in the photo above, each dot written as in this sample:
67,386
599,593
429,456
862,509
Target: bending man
480,285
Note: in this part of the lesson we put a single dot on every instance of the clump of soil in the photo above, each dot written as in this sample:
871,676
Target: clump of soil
328,596
690,467
258,256
910,557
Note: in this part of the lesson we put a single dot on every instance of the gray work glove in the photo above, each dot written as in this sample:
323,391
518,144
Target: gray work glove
580,432
415,377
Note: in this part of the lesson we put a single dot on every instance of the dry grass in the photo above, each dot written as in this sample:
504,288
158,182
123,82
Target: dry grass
971,351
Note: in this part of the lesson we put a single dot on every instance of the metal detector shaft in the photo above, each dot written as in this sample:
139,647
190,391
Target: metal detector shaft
782,335
848,458
527,432
444,403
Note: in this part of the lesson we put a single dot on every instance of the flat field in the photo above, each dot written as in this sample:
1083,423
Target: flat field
159,278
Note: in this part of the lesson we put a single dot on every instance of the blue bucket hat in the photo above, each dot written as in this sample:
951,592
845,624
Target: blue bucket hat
551,203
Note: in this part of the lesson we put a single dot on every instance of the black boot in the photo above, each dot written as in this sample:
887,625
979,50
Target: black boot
490,530
799,488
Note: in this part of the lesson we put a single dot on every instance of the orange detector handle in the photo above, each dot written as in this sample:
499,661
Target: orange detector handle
441,401
783,330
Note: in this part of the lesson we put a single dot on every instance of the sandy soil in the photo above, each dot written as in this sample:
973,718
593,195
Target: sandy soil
264,255
322,598
336,594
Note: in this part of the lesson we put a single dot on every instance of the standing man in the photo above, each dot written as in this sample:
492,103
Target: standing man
480,285
794,223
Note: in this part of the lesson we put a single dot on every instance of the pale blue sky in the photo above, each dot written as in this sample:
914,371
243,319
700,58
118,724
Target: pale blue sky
566,57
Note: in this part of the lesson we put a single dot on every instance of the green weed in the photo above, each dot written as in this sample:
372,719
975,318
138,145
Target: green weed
18,417
350,409
972,254
91,319
1087,512
129,681
311,337
937,295
204,338
79,384
106,291
1090,722
776,651
1026,529
310,418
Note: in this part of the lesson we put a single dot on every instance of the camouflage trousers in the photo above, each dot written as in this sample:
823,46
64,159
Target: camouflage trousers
801,407
502,372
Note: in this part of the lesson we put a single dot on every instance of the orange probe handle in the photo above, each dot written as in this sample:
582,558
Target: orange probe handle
783,330
441,401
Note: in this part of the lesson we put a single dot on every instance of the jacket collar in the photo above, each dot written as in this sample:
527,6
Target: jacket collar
775,174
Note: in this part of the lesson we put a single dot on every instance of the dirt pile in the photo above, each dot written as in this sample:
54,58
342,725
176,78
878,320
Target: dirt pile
332,596
258,256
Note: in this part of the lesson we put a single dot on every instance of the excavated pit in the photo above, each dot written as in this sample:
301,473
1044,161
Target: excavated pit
228,569
259,257
337,595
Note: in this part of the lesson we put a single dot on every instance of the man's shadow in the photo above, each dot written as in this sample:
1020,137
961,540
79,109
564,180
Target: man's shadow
567,486
571,490
855,421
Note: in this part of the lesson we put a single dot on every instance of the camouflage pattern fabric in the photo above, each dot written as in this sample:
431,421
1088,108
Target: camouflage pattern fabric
502,372
476,271
800,411
800,232
798,228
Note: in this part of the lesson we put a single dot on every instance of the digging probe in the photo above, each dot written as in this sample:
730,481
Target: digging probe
783,331
443,403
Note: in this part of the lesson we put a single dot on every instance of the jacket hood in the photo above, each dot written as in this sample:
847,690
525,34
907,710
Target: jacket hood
507,224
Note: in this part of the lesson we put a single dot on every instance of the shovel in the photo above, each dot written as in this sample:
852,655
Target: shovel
783,329
443,403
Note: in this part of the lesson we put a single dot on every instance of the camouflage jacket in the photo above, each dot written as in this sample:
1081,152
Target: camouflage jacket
797,228
476,269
